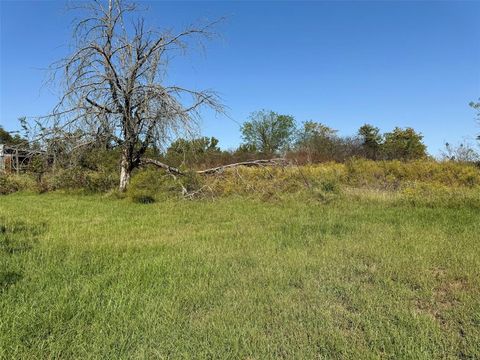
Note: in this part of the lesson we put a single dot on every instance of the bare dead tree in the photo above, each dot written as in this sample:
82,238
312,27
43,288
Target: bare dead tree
114,83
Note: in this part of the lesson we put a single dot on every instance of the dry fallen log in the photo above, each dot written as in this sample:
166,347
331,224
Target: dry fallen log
173,170
267,162
170,169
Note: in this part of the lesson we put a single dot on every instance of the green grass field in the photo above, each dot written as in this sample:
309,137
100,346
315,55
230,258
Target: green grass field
96,277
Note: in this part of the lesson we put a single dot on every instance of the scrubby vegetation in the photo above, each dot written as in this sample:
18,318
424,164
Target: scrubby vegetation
445,179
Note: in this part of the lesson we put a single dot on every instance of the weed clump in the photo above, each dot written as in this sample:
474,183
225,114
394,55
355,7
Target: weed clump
150,185
12,183
78,179
144,187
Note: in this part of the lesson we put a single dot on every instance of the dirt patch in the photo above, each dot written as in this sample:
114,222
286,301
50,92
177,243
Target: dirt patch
445,297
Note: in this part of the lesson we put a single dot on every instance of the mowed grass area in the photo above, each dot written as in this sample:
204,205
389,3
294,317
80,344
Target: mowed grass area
95,277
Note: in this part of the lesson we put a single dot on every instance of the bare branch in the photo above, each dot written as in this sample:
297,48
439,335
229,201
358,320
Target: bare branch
114,83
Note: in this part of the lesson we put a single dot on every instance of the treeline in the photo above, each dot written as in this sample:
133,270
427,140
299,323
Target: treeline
265,134
269,134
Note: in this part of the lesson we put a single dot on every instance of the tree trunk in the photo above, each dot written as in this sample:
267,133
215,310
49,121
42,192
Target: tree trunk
125,172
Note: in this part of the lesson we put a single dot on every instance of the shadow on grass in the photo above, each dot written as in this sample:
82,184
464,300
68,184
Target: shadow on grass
19,237
16,238
9,278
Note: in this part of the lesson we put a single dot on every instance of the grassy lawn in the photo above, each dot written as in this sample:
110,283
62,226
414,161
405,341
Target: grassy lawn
94,277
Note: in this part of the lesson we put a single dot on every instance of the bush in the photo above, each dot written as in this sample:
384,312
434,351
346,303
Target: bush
12,183
149,185
362,172
79,179
100,181
7,186
61,179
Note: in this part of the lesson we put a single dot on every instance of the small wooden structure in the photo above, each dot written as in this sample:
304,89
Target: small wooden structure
14,159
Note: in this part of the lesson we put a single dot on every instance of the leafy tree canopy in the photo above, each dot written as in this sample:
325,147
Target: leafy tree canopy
268,131
7,138
312,131
371,140
194,146
404,144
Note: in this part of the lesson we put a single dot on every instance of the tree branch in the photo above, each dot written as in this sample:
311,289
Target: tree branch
218,169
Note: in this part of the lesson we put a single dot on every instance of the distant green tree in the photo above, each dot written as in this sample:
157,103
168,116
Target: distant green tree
312,130
7,138
244,152
245,149
317,140
371,140
195,146
268,131
192,151
404,144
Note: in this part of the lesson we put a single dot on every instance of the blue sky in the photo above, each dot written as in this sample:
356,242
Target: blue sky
341,63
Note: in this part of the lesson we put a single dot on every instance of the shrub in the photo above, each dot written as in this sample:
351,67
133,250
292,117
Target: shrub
100,181
65,179
12,183
190,182
7,186
362,172
79,179
149,185
330,186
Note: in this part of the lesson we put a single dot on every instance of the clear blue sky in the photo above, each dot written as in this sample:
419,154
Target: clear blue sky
341,63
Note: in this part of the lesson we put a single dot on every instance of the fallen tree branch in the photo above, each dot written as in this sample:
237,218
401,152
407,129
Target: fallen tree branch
267,162
174,170
170,169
